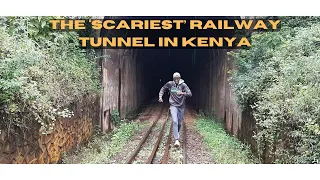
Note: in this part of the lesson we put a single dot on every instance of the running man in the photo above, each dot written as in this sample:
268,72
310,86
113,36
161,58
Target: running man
178,93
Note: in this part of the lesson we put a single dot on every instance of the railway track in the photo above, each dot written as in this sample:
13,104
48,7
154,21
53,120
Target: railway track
155,145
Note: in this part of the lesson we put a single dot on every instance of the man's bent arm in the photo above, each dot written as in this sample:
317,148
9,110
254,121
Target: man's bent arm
163,89
187,91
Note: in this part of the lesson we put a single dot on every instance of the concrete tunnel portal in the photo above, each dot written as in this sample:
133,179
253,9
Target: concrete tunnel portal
131,78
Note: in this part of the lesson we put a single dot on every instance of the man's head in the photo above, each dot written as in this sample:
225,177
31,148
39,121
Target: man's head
176,77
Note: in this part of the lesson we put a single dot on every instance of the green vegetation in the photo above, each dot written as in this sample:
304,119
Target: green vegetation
115,117
225,149
278,80
103,148
41,73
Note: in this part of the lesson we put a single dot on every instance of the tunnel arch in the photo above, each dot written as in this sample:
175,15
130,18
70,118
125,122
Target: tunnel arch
131,78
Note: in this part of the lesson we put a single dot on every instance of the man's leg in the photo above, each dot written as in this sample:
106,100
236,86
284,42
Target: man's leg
174,114
180,117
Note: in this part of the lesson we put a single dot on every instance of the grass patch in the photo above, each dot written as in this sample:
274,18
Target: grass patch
225,149
103,148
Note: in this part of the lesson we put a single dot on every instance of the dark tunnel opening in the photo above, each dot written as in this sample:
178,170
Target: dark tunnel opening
162,63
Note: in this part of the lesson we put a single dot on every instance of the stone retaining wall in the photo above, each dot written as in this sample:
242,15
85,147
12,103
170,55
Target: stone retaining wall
31,147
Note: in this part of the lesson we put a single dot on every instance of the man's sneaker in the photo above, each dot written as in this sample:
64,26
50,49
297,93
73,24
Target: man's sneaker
176,144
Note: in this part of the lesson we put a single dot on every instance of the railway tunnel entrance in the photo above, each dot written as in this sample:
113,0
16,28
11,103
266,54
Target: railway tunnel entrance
160,64
133,77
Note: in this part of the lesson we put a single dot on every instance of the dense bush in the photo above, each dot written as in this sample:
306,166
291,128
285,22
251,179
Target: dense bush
41,73
278,78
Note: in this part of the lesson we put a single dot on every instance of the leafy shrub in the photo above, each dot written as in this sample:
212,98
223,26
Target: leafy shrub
279,79
41,73
115,116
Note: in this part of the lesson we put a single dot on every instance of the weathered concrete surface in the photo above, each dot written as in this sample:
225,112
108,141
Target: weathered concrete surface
128,97
110,86
123,80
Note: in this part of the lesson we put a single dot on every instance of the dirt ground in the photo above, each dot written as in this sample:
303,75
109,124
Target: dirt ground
195,148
